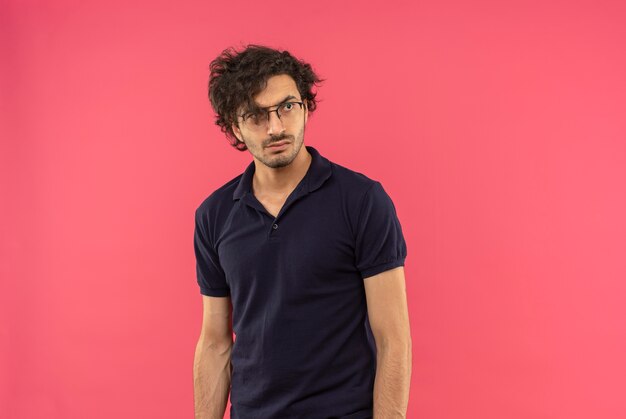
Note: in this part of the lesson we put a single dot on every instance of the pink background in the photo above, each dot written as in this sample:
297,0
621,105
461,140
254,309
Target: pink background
498,128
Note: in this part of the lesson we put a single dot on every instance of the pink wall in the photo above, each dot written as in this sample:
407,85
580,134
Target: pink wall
497,127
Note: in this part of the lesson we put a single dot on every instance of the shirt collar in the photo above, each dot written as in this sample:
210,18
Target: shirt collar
317,173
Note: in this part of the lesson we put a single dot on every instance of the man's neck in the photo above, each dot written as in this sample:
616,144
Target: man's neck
281,180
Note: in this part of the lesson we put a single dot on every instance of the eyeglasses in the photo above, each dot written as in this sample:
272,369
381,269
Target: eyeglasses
259,119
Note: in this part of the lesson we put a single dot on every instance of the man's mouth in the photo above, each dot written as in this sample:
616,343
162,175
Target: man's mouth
278,143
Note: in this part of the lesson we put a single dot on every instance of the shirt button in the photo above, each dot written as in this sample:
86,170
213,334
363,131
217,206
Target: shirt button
275,226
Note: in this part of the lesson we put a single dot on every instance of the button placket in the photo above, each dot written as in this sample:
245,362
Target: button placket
295,196
273,231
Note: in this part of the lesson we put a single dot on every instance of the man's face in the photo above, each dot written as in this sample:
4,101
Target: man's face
289,130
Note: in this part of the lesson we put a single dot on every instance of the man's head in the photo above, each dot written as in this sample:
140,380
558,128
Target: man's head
262,96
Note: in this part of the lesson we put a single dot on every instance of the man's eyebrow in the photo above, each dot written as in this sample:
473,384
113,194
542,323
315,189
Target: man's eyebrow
282,101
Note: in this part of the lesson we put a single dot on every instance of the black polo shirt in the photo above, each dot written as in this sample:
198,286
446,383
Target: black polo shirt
303,345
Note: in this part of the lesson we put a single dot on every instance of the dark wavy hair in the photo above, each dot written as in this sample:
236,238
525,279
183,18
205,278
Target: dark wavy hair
236,77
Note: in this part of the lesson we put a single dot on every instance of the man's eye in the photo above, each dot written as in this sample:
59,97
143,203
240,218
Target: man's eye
254,118
287,106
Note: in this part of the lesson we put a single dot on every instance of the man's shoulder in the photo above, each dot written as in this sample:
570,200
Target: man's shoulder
220,197
358,189
350,180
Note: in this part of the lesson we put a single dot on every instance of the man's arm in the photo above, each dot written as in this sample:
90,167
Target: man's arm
211,366
389,319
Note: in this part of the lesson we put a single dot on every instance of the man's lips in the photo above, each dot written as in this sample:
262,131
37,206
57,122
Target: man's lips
278,144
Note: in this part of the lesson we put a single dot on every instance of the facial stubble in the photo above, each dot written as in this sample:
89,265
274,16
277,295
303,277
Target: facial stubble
280,160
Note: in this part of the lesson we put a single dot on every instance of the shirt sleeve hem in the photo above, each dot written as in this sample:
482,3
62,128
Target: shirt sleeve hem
215,292
371,271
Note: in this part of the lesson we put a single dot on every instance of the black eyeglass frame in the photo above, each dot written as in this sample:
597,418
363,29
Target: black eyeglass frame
248,114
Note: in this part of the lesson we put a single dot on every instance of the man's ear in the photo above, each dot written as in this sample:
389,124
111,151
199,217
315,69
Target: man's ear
236,131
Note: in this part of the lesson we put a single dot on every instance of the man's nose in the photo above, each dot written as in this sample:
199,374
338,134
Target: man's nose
274,124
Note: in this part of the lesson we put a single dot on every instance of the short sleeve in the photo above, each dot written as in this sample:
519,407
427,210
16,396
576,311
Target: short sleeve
209,273
380,244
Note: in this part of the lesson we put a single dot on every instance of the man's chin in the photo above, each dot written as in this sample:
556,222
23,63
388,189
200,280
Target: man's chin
279,162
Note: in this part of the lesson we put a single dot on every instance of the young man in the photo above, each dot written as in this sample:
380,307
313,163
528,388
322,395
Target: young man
302,258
